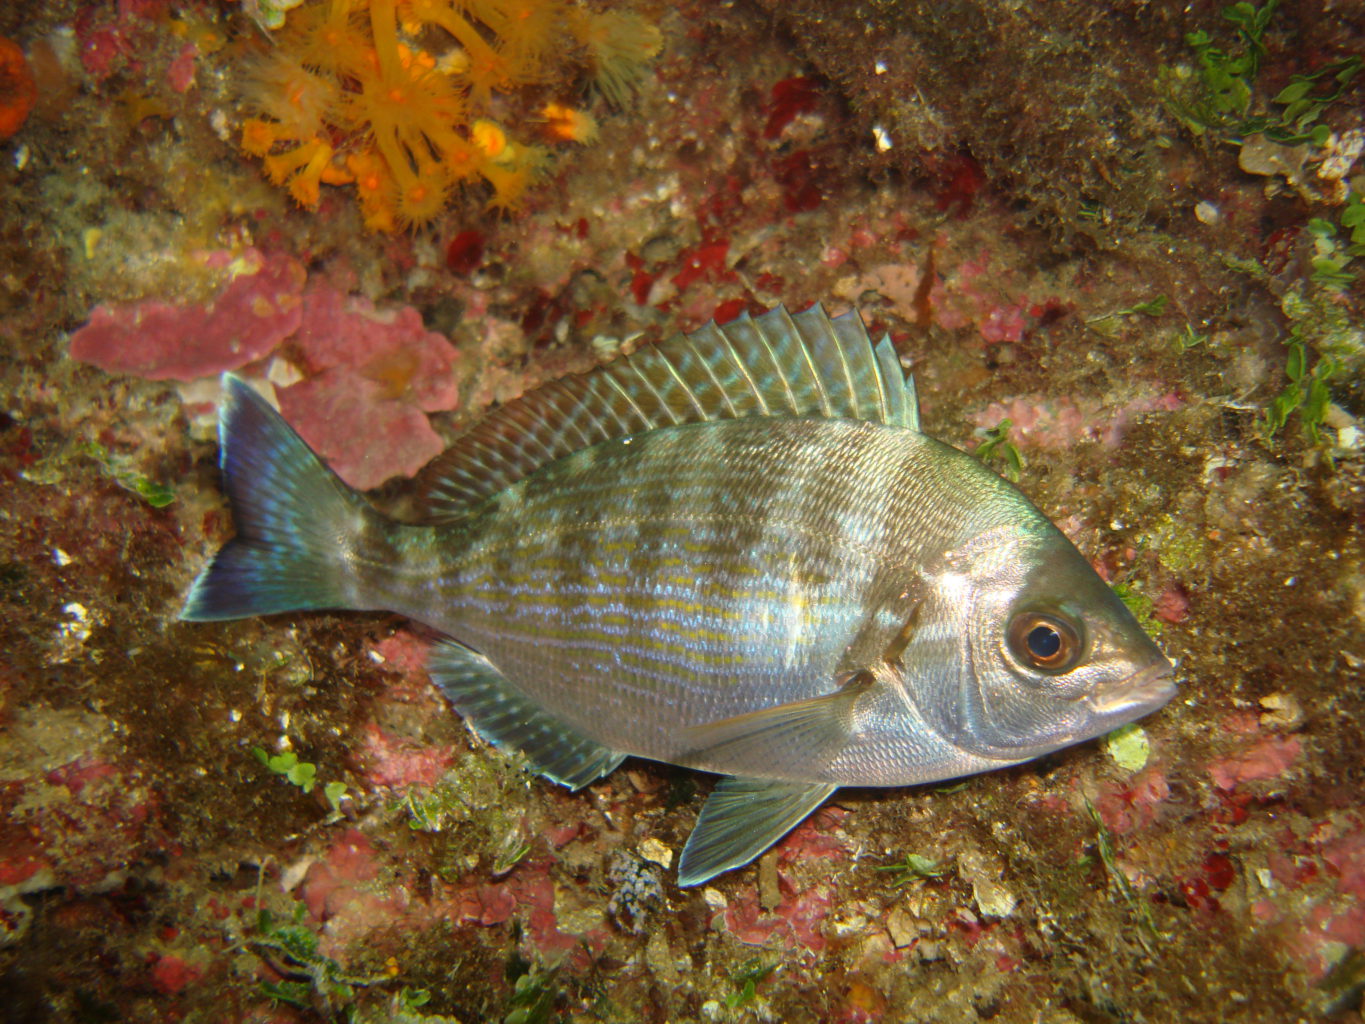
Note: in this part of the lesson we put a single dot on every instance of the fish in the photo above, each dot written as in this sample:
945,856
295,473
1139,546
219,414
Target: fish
735,551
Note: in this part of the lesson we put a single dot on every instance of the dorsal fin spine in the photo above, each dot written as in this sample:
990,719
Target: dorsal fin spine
710,372
805,372
911,403
777,364
827,329
625,394
664,405
686,389
780,320
744,372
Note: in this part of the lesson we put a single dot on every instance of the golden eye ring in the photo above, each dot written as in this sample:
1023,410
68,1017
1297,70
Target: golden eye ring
1044,642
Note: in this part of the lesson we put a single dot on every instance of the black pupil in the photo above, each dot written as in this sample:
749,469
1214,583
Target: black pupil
1044,642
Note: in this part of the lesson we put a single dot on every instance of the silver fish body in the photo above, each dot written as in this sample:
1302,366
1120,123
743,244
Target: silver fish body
799,593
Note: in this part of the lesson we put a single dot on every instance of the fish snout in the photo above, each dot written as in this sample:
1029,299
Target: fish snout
1136,695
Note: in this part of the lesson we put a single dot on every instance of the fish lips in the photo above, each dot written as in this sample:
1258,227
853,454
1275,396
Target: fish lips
1143,692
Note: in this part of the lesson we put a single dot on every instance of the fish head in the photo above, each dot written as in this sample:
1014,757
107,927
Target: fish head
1048,653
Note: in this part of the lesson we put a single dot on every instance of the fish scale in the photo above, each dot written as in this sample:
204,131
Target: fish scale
735,552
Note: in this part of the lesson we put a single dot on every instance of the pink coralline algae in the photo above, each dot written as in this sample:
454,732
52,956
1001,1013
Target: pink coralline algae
1135,804
370,379
397,765
171,975
798,921
1266,759
110,36
1062,422
345,885
258,307
180,75
529,897
1327,870
77,825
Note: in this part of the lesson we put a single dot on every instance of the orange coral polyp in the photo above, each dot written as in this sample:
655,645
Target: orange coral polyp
259,137
568,125
421,12
526,27
509,186
489,137
463,160
410,102
303,101
421,202
301,169
375,189
370,173
329,36
405,88
18,90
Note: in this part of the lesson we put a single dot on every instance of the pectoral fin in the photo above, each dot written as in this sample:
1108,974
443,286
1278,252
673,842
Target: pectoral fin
800,733
741,819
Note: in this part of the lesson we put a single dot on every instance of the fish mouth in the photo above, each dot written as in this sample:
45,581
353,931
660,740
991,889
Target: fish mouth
1144,691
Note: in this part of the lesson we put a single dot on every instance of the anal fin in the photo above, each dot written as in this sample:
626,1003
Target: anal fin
742,818
503,716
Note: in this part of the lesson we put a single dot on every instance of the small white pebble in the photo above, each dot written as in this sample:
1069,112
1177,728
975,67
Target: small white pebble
879,68
293,874
218,121
881,138
1342,153
61,558
1206,213
653,850
714,898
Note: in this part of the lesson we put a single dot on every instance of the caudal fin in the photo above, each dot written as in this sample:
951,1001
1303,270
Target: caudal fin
295,519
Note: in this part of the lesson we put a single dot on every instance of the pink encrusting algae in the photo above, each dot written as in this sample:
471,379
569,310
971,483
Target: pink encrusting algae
258,306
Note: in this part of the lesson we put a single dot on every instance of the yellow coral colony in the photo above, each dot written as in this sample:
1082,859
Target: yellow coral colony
397,97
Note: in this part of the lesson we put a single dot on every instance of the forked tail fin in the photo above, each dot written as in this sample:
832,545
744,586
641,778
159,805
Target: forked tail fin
297,523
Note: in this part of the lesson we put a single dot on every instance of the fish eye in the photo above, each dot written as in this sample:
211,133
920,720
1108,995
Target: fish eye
1044,641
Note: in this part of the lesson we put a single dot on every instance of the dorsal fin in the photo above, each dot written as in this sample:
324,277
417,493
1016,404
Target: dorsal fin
777,364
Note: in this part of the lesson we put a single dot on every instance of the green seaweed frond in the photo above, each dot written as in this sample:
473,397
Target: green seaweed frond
1109,324
1306,392
1333,252
996,445
309,977
1140,605
1219,96
533,998
746,981
1104,843
914,868
1190,338
1152,307
303,774
158,495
